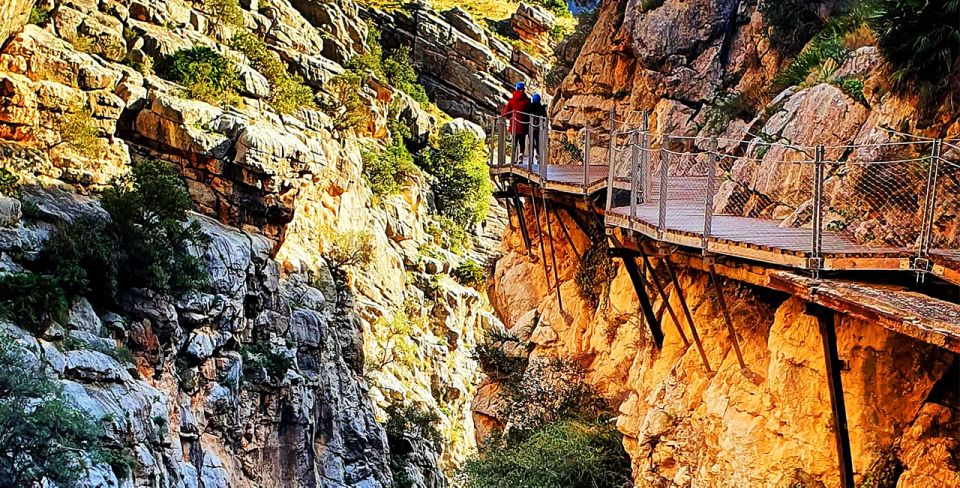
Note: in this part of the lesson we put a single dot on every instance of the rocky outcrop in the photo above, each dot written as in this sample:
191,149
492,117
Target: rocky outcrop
467,72
16,13
768,426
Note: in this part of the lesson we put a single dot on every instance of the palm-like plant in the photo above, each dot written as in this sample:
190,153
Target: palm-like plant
920,39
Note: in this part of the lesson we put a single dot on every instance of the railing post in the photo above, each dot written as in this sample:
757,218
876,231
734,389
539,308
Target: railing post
645,158
816,252
664,171
929,207
634,181
711,192
501,142
544,135
528,150
611,164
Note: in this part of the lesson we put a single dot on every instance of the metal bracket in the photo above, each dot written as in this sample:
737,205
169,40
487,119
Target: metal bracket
815,263
921,265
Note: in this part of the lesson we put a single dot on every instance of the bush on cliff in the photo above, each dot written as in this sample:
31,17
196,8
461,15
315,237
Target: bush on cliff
344,103
205,73
921,40
462,186
791,23
45,438
566,453
287,91
386,170
32,301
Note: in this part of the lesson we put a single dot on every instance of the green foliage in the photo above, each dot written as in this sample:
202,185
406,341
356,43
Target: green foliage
469,273
79,131
884,472
370,61
44,436
566,453
32,301
119,353
345,104
557,7
9,183
496,364
407,420
262,356
225,11
790,23
342,249
920,39
387,170
828,45
83,252
38,16
724,109
149,214
398,67
595,273
287,91
852,87
205,74
462,186
448,234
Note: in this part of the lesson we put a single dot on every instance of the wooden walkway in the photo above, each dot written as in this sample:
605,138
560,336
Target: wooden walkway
756,239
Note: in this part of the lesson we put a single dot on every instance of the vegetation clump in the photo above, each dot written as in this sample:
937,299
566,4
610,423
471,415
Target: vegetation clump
343,249
469,273
9,183
33,300
79,131
345,104
45,438
225,11
38,16
287,91
206,74
461,185
595,273
386,170
263,356
790,23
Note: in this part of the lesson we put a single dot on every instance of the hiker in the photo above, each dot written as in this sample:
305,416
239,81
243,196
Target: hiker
538,117
516,109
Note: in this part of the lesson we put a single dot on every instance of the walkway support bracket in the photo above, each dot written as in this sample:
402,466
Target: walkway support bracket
689,316
826,321
518,204
666,299
638,284
727,319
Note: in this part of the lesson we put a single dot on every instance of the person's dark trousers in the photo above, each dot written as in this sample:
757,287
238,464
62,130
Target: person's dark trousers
519,147
535,150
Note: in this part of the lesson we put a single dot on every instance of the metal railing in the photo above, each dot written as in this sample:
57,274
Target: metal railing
898,198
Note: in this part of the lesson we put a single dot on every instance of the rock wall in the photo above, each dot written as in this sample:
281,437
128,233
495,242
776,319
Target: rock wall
274,191
683,426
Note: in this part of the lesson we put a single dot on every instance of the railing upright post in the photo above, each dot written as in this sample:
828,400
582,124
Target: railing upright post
816,251
634,180
664,172
528,149
611,164
501,142
544,135
929,203
711,192
645,159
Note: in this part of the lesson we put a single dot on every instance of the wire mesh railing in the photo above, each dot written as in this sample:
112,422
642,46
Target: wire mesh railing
896,198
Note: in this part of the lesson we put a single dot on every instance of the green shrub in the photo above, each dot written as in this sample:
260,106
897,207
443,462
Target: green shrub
852,87
79,131
469,273
83,252
557,7
262,356
205,73
496,364
724,109
38,16
225,11
287,91
407,420
9,183
386,170
370,61
398,68
790,23
346,248
920,39
566,453
149,223
44,437
32,301
462,186
345,104
595,273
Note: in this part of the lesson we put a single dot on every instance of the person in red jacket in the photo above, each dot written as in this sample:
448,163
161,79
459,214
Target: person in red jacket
516,110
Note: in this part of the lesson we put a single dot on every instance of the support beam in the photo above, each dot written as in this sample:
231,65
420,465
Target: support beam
828,332
638,284
566,233
523,226
686,312
543,251
726,318
553,253
666,299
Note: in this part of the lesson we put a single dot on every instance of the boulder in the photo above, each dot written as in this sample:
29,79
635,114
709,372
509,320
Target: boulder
462,125
10,211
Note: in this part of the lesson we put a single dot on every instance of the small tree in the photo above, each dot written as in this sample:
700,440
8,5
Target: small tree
44,438
346,248
205,74
462,185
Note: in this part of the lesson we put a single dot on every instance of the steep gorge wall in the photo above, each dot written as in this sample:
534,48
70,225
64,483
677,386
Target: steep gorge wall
772,427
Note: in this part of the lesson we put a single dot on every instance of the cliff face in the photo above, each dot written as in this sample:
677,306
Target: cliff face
79,105
769,427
